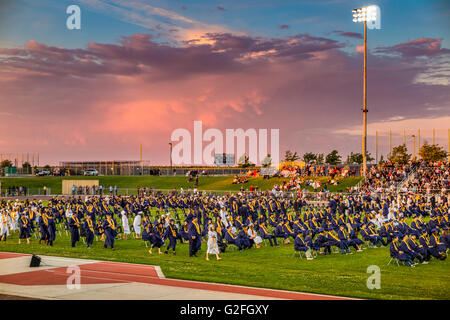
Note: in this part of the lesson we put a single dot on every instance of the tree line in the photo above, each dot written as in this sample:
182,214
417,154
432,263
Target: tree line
427,152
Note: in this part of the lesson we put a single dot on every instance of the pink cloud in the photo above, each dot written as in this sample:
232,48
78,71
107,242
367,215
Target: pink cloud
101,102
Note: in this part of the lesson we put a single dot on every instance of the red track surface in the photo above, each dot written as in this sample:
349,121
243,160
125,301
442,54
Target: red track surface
9,255
112,272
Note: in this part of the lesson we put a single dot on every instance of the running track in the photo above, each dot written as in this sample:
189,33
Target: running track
113,280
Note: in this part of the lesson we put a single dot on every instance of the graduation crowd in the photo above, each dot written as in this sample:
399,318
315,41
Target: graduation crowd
241,221
426,177
430,178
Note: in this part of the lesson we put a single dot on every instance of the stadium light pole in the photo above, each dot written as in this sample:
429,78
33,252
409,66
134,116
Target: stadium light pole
414,147
170,154
364,14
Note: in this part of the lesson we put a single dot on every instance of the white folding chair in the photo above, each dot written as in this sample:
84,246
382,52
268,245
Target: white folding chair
395,260
299,253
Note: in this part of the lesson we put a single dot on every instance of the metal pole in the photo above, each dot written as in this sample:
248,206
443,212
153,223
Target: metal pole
170,154
376,146
414,147
140,158
390,144
418,143
364,147
404,137
433,136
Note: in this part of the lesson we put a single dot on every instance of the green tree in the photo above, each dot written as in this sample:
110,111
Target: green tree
320,158
400,155
333,158
369,157
6,163
309,157
289,156
381,160
432,152
358,158
354,158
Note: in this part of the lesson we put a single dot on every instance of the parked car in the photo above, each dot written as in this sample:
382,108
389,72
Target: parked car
43,173
91,172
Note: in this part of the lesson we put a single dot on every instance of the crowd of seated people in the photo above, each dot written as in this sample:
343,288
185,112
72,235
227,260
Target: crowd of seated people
238,179
249,220
313,170
386,176
432,177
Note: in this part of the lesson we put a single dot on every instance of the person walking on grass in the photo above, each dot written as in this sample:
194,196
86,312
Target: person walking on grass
212,244
24,230
125,225
109,227
137,224
74,224
88,226
171,234
4,231
195,234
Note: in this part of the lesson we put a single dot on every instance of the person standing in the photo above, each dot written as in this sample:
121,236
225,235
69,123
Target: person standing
212,244
51,230
4,231
137,224
109,227
24,228
74,224
173,235
125,225
157,237
194,237
88,226
43,226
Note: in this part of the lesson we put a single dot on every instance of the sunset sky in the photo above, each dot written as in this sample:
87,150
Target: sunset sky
138,70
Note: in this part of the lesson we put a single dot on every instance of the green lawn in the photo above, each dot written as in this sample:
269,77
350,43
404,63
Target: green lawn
220,183
270,267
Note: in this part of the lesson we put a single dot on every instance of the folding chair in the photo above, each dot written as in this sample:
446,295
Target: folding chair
369,244
299,254
232,247
395,260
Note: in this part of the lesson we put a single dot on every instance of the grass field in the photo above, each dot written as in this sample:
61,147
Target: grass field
270,267
219,183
